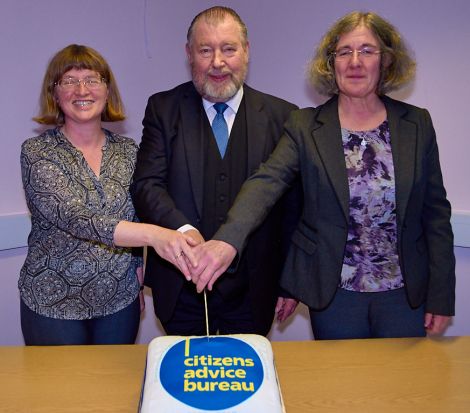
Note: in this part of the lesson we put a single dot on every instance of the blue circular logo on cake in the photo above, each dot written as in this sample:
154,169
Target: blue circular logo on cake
211,374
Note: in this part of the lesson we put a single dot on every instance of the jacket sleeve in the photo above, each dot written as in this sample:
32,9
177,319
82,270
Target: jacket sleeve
260,192
438,233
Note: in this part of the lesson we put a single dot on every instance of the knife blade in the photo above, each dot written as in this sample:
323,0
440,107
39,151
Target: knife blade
207,314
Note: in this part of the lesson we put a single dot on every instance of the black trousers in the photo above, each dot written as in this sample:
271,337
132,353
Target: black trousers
226,315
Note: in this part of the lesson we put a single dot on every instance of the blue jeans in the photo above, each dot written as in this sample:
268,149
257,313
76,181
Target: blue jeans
368,315
118,328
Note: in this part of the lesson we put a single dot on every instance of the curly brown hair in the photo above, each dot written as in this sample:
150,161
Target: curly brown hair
397,67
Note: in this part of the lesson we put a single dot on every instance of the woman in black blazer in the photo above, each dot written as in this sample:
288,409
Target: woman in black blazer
372,255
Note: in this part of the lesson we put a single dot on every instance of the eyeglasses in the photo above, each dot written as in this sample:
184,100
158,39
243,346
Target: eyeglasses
90,83
364,52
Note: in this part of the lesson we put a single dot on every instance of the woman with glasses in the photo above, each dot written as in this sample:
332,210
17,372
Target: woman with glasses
373,252
80,282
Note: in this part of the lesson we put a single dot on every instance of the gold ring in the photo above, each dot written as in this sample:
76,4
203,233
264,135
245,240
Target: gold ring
179,255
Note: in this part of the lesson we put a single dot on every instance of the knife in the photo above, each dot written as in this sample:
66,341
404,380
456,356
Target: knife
207,314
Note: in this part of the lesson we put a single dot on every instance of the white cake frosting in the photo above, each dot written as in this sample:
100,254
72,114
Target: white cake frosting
233,374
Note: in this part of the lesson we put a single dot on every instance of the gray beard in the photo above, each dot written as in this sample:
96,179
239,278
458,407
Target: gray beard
216,94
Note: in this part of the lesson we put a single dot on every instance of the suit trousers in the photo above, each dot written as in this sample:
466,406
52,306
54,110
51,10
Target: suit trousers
226,315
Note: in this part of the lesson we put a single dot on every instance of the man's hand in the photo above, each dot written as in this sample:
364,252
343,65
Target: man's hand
436,324
213,258
285,307
195,235
198,240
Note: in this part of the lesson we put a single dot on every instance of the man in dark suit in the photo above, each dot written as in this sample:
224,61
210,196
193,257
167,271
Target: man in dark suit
187,177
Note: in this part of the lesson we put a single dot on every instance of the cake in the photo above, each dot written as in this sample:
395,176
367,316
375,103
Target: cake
233,374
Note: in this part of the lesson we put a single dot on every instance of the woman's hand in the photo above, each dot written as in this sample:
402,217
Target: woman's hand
175,247
171,245
436,324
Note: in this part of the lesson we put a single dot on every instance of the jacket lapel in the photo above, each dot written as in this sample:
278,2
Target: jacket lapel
193,140
257,127
403,140
326,134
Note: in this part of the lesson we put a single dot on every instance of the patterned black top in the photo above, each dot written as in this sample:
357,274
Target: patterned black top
371,257
72,270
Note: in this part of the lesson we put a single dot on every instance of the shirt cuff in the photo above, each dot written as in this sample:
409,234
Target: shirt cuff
185,228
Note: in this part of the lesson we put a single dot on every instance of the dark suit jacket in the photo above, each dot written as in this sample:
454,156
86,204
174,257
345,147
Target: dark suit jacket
312,147
168,188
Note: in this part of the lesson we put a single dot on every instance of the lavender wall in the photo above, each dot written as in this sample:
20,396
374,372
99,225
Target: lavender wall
143,40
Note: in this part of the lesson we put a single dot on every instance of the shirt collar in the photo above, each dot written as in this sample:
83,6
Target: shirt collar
109,136
233,103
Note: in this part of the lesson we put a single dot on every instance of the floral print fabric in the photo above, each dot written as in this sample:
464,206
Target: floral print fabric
371,260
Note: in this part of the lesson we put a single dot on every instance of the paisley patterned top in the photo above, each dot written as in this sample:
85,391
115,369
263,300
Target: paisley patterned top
371,257
72,270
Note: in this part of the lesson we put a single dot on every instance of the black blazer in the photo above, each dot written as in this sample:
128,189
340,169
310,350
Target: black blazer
312,147
168,189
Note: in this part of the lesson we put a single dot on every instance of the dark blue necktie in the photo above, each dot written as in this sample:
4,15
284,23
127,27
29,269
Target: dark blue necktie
220,128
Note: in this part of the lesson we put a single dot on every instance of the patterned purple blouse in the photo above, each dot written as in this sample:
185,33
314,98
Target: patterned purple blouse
370,260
